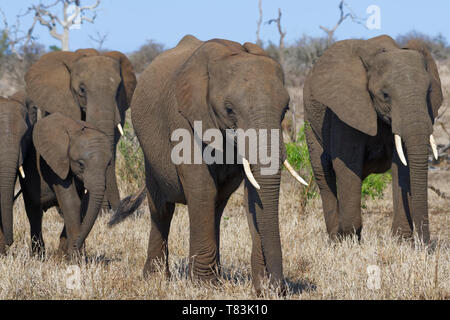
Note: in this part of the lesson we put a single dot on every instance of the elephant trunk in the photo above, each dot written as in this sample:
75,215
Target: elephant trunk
8,175
107,121
96,188
267,224
417,150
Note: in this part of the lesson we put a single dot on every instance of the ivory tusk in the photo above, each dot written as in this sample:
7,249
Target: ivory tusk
399,148
434,147
85,191
22,173
294,173
249,174
119,126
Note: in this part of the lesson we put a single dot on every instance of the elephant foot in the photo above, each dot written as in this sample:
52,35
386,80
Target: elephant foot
62,248
156,265
206,276
346,233
38,248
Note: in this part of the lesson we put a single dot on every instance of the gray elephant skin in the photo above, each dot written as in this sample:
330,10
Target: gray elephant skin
66,167
85,85
14,136
224,85
360,97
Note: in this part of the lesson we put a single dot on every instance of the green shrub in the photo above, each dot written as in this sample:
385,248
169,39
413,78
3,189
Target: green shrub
130,162
374,185
298,157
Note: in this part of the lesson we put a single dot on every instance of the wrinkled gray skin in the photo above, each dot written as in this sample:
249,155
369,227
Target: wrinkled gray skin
358,95
224,85
14,134
85,85
72,156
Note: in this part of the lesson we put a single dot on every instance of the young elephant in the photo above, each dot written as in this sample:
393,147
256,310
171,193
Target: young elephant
67,169
14,127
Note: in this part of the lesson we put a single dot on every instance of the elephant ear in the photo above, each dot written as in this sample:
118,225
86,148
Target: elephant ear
192,80
48,84
51,139
254,49
128,79
339,81
435,96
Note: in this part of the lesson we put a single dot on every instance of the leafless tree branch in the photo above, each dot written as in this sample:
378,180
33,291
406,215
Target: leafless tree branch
259,22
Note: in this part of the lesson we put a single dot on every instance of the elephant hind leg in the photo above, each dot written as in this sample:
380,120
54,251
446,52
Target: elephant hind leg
35,213
158,249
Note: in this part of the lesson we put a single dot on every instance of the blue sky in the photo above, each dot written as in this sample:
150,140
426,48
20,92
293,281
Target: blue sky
130,23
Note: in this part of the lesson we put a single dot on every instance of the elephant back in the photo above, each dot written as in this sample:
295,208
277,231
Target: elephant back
48,84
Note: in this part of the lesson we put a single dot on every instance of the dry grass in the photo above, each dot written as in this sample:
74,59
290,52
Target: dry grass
314,269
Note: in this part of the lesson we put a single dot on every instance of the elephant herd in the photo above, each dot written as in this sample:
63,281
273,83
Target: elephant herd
369,107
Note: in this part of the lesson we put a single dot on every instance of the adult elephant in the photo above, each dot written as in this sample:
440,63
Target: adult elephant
362,98
85,85
14,136
223,85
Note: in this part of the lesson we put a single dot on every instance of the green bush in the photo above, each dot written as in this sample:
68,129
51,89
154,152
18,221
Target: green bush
298,156
373,186
130,163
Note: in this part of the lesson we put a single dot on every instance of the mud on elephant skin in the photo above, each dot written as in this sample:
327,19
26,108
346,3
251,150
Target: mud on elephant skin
370,106
67,168
89,86
14,136
224,85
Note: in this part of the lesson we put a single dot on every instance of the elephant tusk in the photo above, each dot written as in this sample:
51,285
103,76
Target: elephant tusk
85,191
399,148
434,147
119,126
249,174
294,173
22,173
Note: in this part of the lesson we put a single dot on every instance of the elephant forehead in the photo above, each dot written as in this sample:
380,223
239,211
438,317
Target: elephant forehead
94,67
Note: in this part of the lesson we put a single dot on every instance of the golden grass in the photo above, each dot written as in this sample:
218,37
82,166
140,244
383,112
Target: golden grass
314,268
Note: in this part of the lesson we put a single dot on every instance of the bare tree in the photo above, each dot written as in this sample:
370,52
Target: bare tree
282,35
258,23
73,15
99,39
342,17
15,37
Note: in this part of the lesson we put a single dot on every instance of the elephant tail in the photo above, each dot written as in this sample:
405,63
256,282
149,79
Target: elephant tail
127,206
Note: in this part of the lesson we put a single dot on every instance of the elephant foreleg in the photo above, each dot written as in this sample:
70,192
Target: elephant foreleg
34,214
349,198
326,181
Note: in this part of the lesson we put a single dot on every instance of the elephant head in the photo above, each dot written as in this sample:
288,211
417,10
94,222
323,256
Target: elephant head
13,132
76,149
228,86
365,80
85,85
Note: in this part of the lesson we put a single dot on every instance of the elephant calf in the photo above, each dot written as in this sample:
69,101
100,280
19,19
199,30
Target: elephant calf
13,134
67,169
362,98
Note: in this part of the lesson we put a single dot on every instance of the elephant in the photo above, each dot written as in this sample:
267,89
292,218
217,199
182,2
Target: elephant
370,106
224,85
66,167
14,136
85,85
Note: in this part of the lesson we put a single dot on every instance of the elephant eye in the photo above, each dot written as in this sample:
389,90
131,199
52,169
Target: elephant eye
385,96
81,164
229,108
82,90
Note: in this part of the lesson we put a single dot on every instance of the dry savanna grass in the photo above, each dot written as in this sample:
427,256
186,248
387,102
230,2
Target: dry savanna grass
314,268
